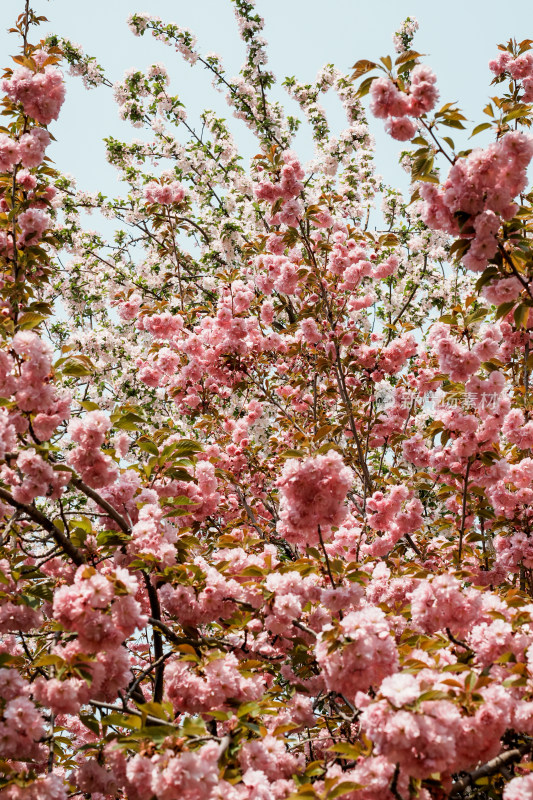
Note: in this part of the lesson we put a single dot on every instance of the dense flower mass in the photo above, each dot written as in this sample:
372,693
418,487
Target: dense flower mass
266,473
312,497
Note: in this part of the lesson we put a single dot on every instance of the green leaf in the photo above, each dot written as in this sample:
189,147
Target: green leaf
78,536
504,309
515,680
292,454
520,111
521,315
47,660
76,366
361,67
479,128
127,422
156,731
449,319
155,710
147,446
122,721
252,571
305,792
365,86
193,726
187,447
488,275
343,788
30,320
42,591
452,123
222,716
182,500
88,405
90,722
252,708
178,474
476,316
112,538
409,55
345,748
432,694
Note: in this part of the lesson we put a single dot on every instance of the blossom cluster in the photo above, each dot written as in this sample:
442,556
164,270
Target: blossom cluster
397,107
482,187
519,68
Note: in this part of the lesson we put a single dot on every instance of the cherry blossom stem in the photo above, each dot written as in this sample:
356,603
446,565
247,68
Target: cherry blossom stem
463,511
458,642
394,784
409,539
506,257
526,375
50,764
158,639
328,566
135,683
175,639
348,406
440,147
409,299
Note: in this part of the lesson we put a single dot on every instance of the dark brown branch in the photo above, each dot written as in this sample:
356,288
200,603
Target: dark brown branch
196,643
135,713
463,510
135,683
328,566
394,783
304,628
99,500
458,642
339,374
38,517
155,608
492,766
410,541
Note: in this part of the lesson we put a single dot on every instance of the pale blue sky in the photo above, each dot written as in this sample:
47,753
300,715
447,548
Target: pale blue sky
459,36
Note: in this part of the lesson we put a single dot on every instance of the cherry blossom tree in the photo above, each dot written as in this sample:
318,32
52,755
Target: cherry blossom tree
266,471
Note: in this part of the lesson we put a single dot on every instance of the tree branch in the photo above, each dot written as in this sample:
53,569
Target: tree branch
47,524
158,640
99,500
492,766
